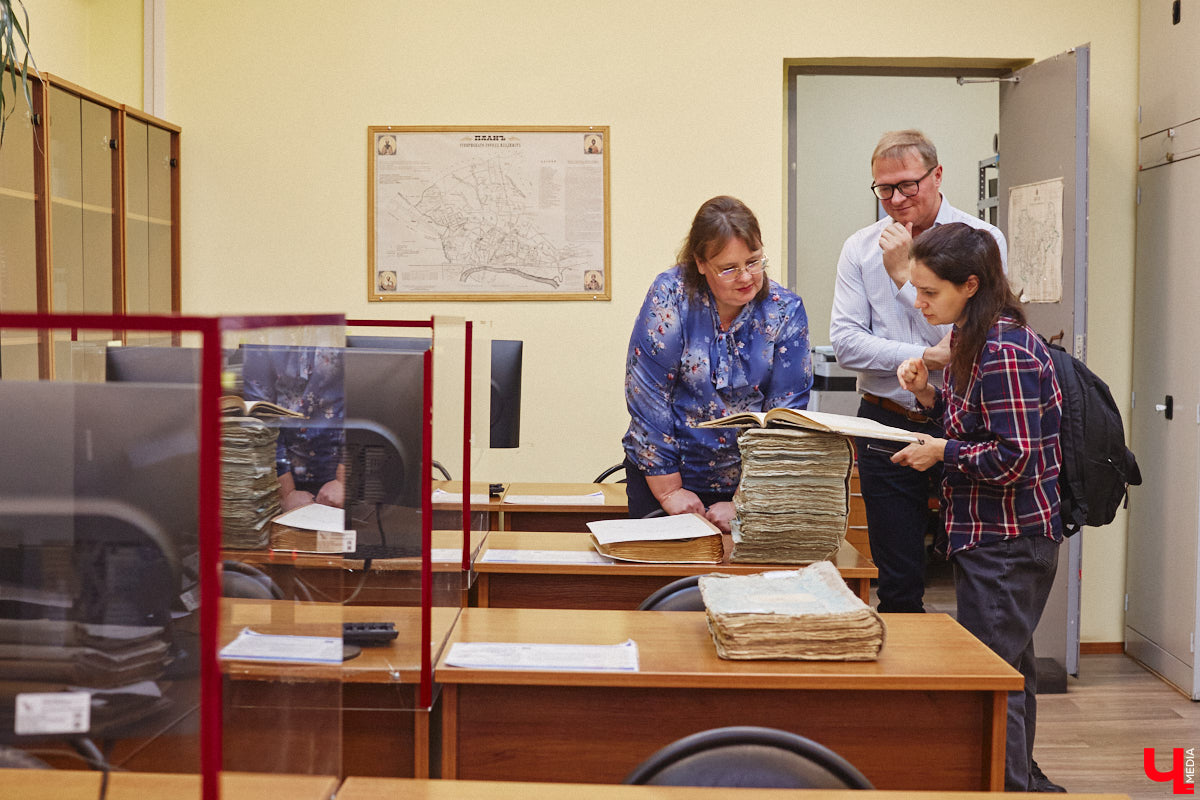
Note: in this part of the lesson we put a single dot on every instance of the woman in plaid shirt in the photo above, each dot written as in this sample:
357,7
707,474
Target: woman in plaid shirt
1001,408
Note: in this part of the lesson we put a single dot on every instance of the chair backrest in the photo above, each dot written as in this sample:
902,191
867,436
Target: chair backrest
678,595
242,580
748,756
613,470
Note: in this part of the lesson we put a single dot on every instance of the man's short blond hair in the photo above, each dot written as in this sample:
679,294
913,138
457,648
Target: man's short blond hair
897,144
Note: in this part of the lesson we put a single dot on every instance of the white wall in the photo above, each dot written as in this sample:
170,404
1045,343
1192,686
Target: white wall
275,97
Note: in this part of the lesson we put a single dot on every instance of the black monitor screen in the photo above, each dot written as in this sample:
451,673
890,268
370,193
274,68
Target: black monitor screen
153,364
505,422
98,514
506,393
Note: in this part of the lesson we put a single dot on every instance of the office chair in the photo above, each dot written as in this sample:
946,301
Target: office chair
437,467
247,582
748,756
679,595
613,470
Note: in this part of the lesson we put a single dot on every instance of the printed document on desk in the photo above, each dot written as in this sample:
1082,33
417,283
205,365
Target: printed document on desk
591,499
621,657
252,646
543,557
441,496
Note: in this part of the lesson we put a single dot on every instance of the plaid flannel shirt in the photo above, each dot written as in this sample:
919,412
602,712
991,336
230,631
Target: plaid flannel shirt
1002,456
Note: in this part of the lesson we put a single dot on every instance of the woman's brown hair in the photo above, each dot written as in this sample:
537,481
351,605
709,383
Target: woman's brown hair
717,222
954,252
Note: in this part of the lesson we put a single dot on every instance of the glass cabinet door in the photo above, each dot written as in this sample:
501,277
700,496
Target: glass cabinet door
18,243
81,237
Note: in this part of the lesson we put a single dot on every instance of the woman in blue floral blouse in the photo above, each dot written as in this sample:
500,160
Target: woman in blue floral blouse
715,336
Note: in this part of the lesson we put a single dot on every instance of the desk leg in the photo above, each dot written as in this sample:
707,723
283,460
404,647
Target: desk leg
449,732
481,589
864,590
421,744
994,743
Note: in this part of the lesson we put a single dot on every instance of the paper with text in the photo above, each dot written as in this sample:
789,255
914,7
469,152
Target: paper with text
516,655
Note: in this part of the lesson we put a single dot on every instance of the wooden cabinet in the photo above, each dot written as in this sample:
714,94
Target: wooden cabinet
89,223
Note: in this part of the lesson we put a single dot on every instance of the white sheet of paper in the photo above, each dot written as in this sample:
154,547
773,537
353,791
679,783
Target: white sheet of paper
593,499
544,557
445,554
252,646
315,517
516,655
442,496
654,529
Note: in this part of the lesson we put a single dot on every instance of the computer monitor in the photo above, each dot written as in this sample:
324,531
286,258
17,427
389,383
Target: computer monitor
505,421
506,393
152,364
98,513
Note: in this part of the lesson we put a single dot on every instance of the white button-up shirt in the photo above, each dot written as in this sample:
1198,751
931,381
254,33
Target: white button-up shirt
874,326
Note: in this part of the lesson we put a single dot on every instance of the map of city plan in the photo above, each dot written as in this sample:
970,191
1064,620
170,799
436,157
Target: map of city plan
489,214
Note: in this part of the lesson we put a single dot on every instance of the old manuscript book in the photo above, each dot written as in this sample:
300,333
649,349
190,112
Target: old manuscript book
820,421
807,614
793,499
683,538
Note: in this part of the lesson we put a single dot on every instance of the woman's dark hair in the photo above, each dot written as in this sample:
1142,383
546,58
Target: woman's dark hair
718,221
954,252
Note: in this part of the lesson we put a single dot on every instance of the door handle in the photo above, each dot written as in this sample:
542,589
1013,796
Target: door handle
1168,407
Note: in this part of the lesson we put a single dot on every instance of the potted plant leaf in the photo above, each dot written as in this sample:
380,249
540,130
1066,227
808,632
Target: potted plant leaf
15,59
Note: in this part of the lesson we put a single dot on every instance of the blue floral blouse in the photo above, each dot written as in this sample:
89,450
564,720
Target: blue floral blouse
309,380
683,369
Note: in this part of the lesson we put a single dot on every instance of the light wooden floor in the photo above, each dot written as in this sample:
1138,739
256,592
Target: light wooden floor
1091,738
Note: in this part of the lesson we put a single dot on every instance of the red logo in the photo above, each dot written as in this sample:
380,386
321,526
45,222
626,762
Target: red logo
1183,769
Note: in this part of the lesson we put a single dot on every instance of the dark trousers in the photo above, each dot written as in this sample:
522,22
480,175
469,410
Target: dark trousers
641,499
897,505
1001,590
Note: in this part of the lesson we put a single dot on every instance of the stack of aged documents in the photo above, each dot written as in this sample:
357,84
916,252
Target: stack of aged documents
793,501
805,615
249,487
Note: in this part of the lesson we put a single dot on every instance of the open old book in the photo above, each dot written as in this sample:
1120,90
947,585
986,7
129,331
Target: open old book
813,421
233,405
683,538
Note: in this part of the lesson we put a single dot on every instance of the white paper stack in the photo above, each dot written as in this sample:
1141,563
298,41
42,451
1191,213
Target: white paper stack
793,501
801,615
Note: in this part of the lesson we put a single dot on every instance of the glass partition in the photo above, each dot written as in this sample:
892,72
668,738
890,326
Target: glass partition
143,623
99,562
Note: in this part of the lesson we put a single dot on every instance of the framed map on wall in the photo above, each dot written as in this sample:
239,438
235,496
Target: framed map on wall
459,213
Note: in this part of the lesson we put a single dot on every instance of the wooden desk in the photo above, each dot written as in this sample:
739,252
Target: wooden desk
37,784
389,582
287,717
449,515
929,714
621,584
557,517
393,788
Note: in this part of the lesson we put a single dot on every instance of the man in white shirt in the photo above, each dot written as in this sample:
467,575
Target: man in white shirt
873,328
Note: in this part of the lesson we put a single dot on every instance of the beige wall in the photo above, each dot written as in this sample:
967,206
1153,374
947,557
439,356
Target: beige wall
274,98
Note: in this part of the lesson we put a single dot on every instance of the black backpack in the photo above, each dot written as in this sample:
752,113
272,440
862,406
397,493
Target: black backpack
1097,467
